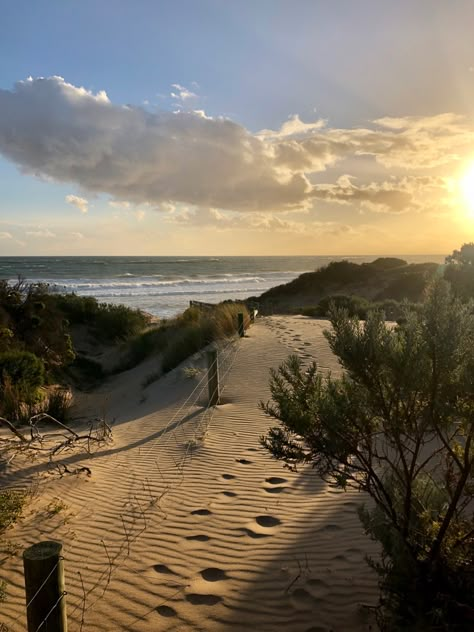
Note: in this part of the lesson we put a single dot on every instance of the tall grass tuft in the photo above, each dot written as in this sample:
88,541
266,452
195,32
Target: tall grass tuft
178,338
196,328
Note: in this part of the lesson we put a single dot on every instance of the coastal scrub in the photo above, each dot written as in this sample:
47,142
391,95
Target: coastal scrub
399,426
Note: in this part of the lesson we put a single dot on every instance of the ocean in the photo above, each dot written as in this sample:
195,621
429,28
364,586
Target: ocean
163,286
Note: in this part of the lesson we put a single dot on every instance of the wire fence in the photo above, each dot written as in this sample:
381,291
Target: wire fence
170,449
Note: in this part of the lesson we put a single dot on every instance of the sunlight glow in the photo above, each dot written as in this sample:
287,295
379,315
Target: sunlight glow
467,189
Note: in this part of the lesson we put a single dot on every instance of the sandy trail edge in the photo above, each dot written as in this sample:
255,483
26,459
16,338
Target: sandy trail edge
236,542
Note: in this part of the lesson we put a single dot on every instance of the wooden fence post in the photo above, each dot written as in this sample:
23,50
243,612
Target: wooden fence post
44,587
241,327
213,377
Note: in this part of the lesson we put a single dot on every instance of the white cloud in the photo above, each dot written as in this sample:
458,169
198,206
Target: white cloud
40,233
293,127
391,196
81,203
140,214
181,93
77,236
119,204
5,235
69,134
256,222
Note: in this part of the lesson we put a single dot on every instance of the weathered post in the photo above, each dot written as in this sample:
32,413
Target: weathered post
213,377
241,328
44,587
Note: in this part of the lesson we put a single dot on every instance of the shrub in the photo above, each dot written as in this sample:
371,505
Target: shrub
118,322
388,263
6,338
31,314
109,322
459,271
11,506
355,305
399,426
25,370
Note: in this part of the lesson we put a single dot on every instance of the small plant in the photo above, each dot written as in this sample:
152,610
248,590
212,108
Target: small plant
11,507
58,403
9,548
191,372
56,506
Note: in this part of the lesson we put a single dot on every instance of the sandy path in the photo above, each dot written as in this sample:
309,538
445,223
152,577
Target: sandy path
236,542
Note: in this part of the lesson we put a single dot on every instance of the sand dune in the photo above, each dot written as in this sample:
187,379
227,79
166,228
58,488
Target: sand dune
186,523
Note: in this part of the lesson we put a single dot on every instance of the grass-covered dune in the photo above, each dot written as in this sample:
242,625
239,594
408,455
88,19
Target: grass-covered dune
384,280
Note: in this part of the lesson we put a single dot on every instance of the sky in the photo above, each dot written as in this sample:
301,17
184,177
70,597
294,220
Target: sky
213,127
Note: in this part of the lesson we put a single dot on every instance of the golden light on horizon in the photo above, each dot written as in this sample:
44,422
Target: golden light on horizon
466,184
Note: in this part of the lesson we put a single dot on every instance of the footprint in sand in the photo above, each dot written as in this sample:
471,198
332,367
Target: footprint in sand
244,461
267,521
213,574
253,534
331,527
201,512
229,494
301,599
200,537
228,477
163,569
202,600
318,588
276,480
166,611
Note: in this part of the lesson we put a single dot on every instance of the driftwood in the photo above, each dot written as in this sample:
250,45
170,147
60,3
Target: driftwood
52,443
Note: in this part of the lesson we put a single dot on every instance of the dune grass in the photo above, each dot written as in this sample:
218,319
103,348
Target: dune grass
178,338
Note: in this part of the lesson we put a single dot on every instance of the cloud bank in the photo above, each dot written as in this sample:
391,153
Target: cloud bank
53,129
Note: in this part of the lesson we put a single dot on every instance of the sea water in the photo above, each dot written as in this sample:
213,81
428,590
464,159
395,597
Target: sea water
164,286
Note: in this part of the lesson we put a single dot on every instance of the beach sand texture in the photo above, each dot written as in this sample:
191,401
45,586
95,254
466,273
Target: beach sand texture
229,541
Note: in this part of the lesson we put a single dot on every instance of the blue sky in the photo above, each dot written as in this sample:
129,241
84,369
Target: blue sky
254,64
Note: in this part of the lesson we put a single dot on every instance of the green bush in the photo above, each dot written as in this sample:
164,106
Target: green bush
25,370
355,305
360,307
118,322
108,322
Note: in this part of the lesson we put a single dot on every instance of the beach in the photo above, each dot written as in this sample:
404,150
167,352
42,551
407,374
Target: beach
186,522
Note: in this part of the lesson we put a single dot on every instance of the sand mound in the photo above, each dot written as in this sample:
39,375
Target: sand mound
174,533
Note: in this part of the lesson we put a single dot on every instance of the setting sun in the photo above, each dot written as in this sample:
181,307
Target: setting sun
467,188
